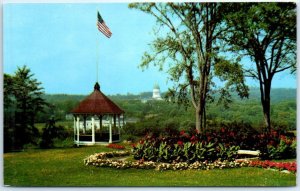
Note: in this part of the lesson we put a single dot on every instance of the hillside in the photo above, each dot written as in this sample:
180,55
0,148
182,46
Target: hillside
277,94
283,111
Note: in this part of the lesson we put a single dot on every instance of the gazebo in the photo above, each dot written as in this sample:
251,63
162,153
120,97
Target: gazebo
97,120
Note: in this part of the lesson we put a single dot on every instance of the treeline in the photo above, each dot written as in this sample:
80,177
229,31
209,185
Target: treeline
26,104
248,111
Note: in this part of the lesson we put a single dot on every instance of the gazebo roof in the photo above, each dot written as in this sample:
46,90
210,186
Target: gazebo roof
97,103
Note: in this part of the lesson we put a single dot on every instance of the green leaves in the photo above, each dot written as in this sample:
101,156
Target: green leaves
23,97
188,152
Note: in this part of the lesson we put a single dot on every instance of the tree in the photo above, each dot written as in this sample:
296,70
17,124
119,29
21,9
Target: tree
265,32
50,132
9,111
22,101
188,43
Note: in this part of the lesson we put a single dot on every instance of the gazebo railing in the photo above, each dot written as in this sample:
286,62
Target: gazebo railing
103,137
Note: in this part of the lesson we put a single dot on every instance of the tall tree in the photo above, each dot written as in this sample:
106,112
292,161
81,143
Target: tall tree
265,32
188,43
22,101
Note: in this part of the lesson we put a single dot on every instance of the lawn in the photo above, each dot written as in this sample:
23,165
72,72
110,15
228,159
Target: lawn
64,167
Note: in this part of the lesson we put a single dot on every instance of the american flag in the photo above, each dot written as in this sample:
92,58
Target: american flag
102,26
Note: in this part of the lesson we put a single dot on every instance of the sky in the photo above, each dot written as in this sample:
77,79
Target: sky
61,45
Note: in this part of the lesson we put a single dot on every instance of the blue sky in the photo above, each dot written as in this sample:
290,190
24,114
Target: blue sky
60,43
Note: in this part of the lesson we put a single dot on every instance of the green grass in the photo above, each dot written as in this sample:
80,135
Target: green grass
64,167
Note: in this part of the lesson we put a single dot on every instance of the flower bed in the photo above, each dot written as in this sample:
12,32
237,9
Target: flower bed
214,145
166,151
101,160
290,166
104,160
115,146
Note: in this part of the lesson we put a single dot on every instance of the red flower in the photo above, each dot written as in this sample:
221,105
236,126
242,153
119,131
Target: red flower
180,143
133,145
231,133
271,143
209,138
274,133
279,165
115,146
194,139
182,132
222,130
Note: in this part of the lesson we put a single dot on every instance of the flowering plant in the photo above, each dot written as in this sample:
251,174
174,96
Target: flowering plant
102,160
272,145
290,166
115,146
168,151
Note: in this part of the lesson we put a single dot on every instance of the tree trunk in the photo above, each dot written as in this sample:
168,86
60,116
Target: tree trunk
200,116
266,105
198,120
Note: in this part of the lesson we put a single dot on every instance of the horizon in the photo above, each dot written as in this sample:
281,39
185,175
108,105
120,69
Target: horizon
62,40
162,92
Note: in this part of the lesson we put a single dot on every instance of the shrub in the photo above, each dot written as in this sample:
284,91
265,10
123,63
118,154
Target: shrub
183,145
186,148
51,132
285,149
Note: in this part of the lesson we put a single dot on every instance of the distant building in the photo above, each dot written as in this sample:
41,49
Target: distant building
156,92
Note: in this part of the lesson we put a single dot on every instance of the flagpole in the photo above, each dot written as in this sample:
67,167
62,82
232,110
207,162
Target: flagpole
97,56
97,61
104,30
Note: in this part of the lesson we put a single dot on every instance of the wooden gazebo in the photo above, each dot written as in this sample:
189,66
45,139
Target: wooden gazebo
97,120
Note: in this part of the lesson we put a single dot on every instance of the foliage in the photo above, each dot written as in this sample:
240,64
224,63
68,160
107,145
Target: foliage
50,132
188,44
283,111
213,145
22,102
265,33
285,149
183,148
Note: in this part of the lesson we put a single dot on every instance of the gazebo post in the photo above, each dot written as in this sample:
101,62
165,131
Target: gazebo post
115,119
100,126
100,122
93,130
123,120
110,130
119,124
74,126
77,130
84,124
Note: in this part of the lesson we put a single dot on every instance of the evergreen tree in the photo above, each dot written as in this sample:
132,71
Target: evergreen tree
22,101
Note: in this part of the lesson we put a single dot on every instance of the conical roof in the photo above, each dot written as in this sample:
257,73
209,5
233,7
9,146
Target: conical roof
97,103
